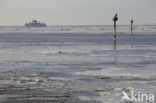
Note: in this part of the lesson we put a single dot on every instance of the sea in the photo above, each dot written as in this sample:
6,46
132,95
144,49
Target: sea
77,64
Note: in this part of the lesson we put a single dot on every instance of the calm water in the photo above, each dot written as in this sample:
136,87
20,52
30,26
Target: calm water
75,67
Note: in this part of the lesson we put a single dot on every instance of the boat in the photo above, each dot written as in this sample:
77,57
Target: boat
35,23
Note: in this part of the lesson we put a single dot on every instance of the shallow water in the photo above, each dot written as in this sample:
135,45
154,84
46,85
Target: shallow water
75,67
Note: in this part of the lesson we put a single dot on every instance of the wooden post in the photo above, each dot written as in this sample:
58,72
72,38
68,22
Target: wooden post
115,18
132,27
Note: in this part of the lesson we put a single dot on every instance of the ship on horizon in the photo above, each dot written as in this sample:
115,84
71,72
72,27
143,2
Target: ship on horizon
35,23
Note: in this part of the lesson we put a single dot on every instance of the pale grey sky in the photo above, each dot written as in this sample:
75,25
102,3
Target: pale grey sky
76,12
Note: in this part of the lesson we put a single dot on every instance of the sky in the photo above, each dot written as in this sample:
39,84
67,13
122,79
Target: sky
77,12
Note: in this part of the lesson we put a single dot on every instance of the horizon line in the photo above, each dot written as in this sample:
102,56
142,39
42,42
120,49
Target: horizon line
154,24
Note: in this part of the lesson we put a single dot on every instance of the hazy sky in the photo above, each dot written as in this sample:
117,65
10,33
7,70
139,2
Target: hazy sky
75,12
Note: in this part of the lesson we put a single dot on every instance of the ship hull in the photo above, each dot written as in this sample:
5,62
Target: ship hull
35,25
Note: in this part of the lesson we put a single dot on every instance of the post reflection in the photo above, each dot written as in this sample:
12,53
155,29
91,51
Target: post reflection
114,44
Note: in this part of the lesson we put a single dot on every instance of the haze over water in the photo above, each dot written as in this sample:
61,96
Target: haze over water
77,12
